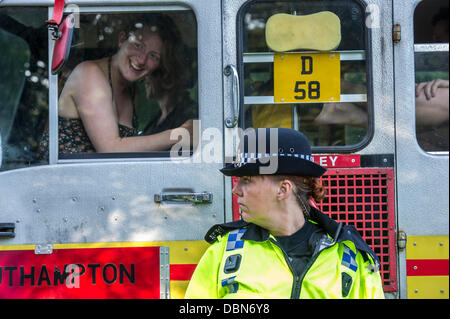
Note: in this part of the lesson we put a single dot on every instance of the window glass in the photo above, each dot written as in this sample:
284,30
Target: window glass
130,79
340,121
431,74
23,85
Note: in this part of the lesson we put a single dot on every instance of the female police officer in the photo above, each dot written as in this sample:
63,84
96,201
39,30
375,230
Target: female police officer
283,247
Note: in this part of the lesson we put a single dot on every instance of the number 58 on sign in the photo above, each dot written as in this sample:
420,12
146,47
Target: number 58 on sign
309,77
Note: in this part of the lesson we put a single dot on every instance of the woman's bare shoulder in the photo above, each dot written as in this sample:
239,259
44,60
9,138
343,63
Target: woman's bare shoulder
88,78
88,85
88,70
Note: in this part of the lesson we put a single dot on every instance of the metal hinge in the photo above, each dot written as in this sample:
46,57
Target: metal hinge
43,249
401,240
164,272
396,33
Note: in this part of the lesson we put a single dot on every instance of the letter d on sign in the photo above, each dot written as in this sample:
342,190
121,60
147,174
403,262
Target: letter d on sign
307,65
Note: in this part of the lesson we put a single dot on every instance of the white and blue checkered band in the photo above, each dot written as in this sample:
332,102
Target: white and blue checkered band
234,239
228,281
348,259
244,158
232,286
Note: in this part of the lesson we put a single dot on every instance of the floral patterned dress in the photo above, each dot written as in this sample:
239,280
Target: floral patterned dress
74,139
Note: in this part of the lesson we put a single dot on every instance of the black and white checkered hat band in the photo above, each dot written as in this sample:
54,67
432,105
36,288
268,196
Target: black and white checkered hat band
245,158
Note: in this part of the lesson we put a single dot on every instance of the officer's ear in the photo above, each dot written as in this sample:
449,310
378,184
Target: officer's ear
285,189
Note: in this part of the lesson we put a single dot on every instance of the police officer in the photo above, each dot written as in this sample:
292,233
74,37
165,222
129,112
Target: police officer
283,247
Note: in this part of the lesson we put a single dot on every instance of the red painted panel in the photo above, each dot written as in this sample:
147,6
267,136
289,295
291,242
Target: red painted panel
335,161
90,273
427,267
182,272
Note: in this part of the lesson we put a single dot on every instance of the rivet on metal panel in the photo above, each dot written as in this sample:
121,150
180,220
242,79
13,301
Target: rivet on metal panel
442,291
416,290
441,244
415,244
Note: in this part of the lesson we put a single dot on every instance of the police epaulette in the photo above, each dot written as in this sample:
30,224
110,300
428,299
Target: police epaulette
341,233
221,229
351,233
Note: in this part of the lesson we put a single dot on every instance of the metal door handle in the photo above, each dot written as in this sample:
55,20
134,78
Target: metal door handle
232,121
7,230
194,198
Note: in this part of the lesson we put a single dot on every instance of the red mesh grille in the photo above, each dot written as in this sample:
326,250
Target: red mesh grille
363,197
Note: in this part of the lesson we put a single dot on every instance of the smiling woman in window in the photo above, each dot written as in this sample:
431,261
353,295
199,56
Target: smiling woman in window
97,104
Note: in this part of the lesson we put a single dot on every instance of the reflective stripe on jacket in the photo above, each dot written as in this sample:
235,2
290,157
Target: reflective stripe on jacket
237,267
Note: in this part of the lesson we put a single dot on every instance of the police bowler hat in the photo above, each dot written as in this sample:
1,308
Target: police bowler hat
273,151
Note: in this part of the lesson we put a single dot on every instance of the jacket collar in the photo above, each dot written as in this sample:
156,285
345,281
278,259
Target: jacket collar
331,227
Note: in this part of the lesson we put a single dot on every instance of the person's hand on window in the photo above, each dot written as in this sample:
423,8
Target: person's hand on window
430,88
432,102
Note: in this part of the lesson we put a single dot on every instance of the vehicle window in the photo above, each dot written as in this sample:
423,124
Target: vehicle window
23,85
431,74
129,80
332,110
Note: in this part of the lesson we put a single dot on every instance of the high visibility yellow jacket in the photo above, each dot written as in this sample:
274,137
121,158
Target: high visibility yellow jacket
245,261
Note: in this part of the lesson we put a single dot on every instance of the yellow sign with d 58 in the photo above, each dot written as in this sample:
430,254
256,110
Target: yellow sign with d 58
307,77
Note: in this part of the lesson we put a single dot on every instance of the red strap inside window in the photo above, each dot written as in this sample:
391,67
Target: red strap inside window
58,11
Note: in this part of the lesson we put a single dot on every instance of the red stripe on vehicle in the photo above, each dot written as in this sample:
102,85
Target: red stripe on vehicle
181,272
427,267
